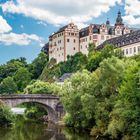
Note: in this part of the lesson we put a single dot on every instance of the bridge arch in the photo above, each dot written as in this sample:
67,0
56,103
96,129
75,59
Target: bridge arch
52,115
48,102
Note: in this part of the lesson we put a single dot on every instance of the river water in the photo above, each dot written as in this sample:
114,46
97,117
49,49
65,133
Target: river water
26,130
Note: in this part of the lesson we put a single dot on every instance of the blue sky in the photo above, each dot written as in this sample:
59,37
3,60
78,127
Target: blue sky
26,24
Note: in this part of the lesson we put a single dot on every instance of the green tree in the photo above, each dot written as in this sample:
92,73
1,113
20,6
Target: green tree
126,113
6,116
8,86
40,87
38,65
110,76
75,94
22,78
10,68
91,47
96,57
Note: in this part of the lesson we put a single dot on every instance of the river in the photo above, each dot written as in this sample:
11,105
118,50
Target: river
27,130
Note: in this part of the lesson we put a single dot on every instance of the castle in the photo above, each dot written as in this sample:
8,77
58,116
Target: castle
69,40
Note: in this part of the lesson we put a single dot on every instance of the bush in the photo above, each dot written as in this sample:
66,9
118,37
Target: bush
39,87
7,118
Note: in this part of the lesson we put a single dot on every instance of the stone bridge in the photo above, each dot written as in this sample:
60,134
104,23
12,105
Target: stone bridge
50,103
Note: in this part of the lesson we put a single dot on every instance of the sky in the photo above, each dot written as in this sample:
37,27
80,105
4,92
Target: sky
25,25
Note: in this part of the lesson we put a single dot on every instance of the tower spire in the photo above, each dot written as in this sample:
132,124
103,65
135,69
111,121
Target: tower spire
119,20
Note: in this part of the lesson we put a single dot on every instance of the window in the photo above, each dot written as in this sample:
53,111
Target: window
68,40
122,52
94,36
90,37
118,32
130,50
81,47
74,48
103,30
138,48
74,40
126,51
102,37
134,49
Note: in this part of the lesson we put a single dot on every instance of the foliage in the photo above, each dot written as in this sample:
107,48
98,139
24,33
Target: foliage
127,109
6,116
40,87
53,71
11,67
96,57
8,86
38,65
34,111
75,93
22,78
91,47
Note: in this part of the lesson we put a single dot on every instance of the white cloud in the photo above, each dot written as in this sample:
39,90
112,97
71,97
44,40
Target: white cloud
42,23
4,26
132,14
7,37
18,39
60,12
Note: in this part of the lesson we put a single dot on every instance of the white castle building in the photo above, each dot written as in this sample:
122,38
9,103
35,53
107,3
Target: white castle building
69,40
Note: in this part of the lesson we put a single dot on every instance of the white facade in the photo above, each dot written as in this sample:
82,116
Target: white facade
64,43
69,40
131,50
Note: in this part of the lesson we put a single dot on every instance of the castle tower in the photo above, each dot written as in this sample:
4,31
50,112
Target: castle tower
119,26
119,20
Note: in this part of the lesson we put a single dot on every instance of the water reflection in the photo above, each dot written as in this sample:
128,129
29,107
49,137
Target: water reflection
25,130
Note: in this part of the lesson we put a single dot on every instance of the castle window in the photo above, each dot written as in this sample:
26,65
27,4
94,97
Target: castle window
74,40
103,30
68,40
134,49
130,50
94,36
122,52
90,37
126,51
138,48
102,37
118,32
72,34
74,48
